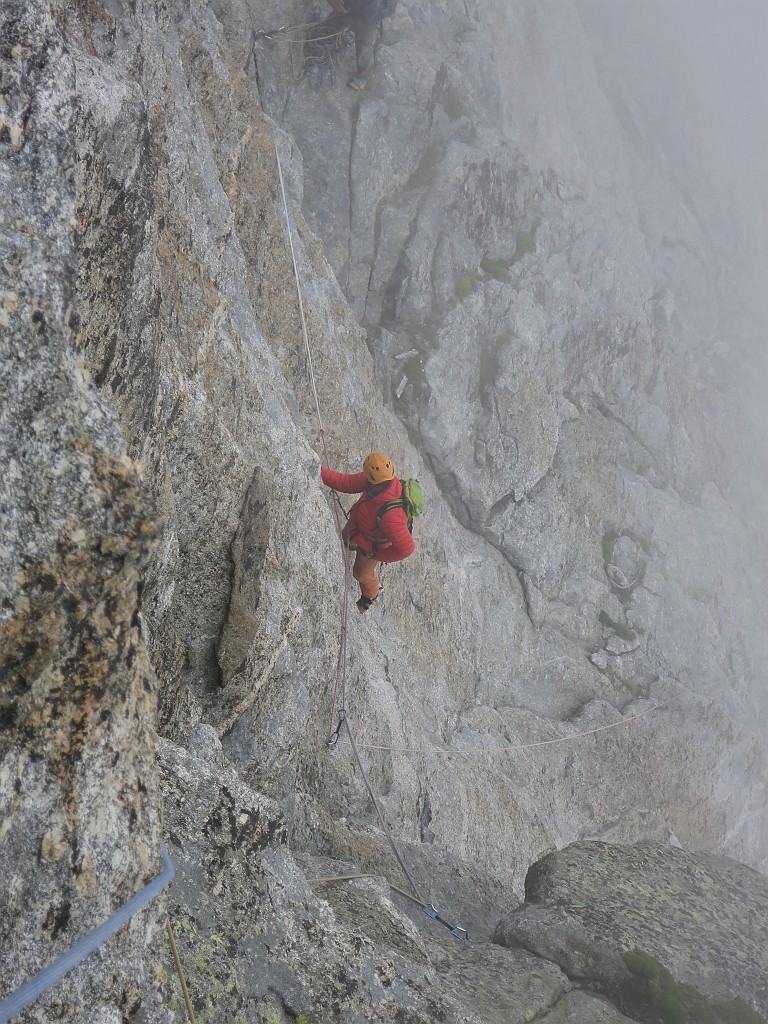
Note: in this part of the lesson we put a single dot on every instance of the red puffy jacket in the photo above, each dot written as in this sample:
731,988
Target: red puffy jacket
397,542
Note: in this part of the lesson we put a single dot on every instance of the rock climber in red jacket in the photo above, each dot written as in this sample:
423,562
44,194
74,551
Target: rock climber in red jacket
391,540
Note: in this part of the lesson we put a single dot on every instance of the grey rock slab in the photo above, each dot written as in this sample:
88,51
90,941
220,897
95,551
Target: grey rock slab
704,917
581,1008
80,830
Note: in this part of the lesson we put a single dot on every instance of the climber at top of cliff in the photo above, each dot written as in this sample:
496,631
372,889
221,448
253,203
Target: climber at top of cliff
378,529
363,18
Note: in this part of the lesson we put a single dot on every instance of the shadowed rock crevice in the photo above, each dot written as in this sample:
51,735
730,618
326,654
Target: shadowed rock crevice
249,550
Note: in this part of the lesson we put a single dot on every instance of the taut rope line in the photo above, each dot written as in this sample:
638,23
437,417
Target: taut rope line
304,331
384,825
526,746
512,747
341,664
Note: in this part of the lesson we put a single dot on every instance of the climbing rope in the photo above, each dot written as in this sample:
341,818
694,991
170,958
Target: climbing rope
384,825
341,664
427,908
305,333
340,685
318,52
340,682
323,51
51,975
512,747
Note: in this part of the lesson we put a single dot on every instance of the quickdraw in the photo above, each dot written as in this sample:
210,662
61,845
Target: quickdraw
333,739
460,934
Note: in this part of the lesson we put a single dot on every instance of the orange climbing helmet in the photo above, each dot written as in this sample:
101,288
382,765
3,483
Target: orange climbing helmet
378,468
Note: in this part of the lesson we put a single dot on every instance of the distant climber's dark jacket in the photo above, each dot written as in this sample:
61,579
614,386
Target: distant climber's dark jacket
364,12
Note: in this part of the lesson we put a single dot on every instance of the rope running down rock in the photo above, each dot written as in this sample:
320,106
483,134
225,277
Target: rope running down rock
44,980
341,666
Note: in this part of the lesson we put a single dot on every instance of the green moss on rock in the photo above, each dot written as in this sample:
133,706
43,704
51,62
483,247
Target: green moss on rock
657,992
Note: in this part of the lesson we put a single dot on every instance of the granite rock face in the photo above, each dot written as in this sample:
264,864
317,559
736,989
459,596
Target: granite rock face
492,298
267,947
77,532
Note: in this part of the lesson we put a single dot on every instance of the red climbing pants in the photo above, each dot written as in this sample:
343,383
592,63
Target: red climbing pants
364,571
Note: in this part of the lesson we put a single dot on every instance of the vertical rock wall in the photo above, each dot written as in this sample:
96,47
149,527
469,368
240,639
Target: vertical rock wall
543,287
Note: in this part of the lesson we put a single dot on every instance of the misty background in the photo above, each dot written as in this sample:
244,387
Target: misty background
688,83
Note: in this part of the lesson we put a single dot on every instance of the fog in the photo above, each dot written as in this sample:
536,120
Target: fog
688,81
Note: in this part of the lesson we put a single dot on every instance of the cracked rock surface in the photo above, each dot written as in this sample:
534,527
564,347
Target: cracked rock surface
526,310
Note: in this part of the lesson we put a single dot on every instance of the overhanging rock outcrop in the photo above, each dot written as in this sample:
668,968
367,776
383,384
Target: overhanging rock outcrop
703,917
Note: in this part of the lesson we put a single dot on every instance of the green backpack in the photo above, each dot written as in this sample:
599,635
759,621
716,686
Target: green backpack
412,502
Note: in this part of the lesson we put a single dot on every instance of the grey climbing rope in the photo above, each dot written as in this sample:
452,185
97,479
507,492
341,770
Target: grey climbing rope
304,331
341,663
326,52
384,825
51,975
428,908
